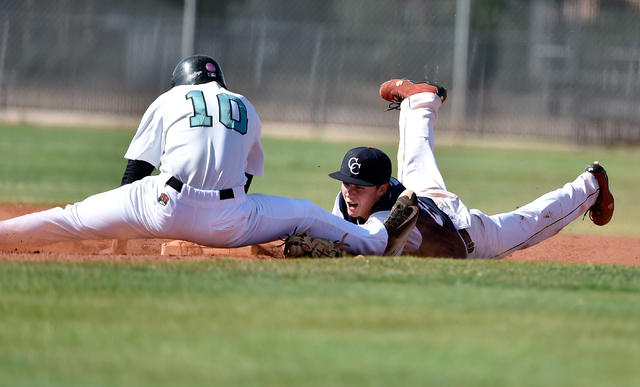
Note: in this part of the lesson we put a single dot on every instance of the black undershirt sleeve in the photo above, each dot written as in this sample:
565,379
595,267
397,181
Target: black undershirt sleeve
248,183
136,170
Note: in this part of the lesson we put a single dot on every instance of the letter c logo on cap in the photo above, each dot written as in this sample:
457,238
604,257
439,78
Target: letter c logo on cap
354,166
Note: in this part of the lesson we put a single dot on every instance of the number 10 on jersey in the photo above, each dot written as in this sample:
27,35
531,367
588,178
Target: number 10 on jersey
233,112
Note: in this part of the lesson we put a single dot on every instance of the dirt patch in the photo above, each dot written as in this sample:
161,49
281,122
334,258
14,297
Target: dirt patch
590,249
593,249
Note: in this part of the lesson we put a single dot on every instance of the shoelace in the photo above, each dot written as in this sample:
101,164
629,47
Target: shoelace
394,106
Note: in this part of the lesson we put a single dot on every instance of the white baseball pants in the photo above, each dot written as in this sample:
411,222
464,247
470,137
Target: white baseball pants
494,236
134,211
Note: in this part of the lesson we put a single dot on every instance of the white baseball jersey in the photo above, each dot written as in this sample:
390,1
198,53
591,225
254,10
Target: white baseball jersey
207,138
205,143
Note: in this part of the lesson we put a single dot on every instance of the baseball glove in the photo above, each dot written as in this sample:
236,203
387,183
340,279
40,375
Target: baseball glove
301,245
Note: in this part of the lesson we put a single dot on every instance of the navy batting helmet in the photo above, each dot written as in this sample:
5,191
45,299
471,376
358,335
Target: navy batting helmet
197,69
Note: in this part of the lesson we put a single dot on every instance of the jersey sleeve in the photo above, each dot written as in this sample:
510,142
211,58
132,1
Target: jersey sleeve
255,156
148,142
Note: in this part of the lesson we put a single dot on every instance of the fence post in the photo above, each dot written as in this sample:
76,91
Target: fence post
262,41
188,28
460,53
317,86
3,54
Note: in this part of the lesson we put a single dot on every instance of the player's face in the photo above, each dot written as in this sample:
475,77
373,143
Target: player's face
361,199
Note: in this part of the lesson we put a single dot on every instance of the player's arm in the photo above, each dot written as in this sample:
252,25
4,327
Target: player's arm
255,157
248,183
136,170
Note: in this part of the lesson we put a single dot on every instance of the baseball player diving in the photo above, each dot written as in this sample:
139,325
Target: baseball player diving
445,227
205,142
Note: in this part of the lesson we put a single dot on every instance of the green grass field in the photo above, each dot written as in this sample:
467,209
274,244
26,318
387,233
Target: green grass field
344,322
355,322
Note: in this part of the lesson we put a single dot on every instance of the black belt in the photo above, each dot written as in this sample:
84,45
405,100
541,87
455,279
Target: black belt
467,240
177,185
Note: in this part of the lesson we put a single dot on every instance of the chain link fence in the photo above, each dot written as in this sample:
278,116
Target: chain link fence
567,69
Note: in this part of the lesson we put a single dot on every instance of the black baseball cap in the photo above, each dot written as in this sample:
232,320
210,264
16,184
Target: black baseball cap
364,166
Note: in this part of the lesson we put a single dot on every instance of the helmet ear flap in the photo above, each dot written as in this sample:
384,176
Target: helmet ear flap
197,69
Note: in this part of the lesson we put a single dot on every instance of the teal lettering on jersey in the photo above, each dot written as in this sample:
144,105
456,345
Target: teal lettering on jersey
233,113
200,116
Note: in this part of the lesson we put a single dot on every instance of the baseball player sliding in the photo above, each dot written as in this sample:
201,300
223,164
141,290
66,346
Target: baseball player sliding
445,227
205,141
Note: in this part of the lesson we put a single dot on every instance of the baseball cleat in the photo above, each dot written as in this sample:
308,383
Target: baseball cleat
396,90
601,211
400,222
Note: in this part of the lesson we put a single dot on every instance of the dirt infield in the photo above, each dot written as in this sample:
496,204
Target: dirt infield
589,249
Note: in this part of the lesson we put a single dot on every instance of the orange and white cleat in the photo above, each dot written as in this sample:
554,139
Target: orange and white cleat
396,90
